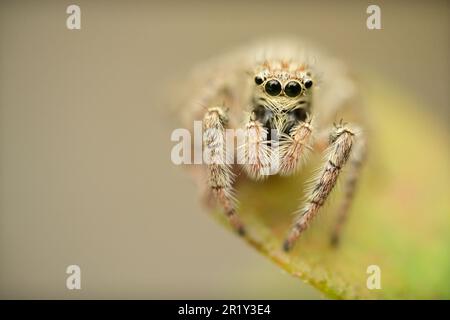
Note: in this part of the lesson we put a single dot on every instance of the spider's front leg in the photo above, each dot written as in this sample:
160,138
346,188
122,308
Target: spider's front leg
342,139
220,176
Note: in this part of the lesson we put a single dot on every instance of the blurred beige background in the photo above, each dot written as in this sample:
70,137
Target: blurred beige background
85,170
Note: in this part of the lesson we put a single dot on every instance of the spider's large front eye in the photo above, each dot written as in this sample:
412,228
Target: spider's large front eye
292,89
273,87
259,80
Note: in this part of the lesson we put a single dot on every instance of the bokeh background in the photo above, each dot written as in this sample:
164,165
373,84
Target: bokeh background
85,170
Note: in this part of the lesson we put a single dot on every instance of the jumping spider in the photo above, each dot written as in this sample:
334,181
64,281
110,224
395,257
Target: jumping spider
291,88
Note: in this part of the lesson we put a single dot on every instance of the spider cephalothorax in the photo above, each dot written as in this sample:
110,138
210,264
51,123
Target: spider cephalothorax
282,96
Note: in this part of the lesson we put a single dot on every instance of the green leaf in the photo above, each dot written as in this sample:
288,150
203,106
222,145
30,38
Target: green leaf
399,221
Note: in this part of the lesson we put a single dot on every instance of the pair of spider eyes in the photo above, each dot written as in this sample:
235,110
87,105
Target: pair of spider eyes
291,89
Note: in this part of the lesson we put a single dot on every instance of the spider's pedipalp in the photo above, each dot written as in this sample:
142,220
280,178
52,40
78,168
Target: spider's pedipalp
294,147
257,154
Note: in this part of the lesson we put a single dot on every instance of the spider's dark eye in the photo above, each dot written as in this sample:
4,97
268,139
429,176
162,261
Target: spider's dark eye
308,84
273,87
292,89
259,80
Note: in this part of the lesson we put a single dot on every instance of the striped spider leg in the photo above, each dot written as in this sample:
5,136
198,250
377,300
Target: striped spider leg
220,175
344,145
